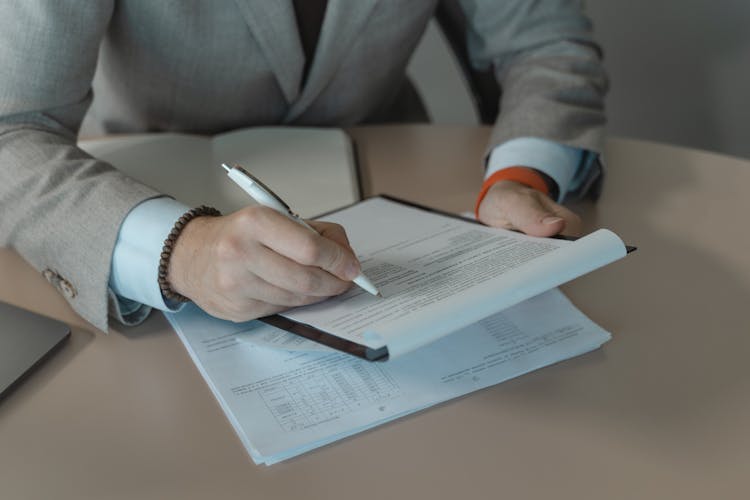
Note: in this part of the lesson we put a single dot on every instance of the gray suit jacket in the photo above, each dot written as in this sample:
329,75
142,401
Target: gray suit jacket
206,67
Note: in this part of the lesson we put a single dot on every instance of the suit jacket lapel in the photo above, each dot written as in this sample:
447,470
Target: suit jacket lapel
341,25
275,28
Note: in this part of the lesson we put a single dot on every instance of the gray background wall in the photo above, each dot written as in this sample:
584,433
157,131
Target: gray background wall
679,69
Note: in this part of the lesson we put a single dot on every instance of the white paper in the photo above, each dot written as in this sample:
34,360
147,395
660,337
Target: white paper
439,274
283,403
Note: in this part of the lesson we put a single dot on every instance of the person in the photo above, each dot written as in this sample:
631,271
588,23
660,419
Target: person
207,67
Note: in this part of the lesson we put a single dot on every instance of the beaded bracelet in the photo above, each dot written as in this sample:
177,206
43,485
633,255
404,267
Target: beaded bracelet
166,250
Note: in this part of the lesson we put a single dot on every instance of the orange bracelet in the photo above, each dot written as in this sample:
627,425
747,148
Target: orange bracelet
523,175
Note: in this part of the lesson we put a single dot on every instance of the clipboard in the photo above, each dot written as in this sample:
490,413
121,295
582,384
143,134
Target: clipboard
347,346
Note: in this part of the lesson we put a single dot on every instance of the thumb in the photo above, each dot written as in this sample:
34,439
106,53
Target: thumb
533,217
335,258
338,256
331,231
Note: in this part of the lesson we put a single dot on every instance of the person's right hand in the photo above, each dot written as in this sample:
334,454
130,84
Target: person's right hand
256,262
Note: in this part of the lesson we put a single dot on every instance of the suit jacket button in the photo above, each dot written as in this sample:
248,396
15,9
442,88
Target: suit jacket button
67,289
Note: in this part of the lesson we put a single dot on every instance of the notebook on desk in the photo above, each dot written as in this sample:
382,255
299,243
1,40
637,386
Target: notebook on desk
313,168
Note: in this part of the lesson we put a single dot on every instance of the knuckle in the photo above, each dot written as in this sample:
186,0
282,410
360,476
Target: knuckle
247,216
255,217
228,247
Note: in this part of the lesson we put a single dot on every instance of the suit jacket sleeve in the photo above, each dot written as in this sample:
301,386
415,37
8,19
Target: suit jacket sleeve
548,67
61,209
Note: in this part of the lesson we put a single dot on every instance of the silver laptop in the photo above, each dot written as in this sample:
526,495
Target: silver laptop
25,340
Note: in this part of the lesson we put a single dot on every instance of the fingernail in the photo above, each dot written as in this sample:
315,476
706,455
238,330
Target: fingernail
551,220
353,270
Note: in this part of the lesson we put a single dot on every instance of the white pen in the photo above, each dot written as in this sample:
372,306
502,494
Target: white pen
265,196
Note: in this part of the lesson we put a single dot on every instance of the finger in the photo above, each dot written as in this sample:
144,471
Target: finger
287,274
271,294
332,231
573,224
236,282
265,299
515,206
306,247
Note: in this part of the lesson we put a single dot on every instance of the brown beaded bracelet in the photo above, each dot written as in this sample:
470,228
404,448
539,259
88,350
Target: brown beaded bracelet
166,250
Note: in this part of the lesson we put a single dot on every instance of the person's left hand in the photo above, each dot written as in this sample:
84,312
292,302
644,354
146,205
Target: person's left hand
511,205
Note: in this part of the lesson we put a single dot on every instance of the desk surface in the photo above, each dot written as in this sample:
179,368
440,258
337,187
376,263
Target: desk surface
661,411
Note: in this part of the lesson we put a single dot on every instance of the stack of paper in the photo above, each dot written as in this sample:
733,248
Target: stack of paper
285,395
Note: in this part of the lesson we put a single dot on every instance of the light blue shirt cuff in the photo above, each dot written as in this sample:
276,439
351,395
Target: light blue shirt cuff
135,260
584,170
556,160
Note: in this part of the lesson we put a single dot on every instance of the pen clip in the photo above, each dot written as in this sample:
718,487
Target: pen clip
265,188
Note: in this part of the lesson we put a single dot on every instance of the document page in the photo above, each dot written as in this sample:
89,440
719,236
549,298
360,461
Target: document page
438,274
283,399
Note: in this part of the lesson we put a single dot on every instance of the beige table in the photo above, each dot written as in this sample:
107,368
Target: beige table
662,411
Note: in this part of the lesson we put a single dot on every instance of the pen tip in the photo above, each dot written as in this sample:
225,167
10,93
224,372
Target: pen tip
226,167
380,295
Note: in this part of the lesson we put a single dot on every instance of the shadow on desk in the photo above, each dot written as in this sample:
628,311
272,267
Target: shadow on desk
156,325
681,345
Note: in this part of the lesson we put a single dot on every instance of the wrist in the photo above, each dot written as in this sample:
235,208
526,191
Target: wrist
558,161
180,251
526,176
136,255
